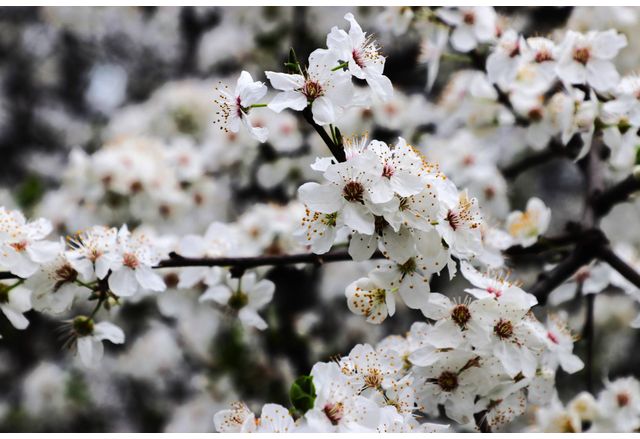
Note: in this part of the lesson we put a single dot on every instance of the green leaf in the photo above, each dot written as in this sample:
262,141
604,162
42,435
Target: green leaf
303,394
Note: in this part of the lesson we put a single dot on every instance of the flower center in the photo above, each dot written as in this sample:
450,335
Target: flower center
623,399
448,381
334,412
551,336
503,329
535,114
130,260
65,273
353,191
83,326
582,55
461,315
469,18
543,55
453,219
312,90
388,170
408,267
19,246
238,300
373,379
496,292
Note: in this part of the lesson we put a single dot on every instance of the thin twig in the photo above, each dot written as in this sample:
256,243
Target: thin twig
588,334
336,150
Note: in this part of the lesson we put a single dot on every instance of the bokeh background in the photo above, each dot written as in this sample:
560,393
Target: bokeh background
95,97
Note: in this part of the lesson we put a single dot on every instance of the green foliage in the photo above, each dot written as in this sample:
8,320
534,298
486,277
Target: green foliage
303,394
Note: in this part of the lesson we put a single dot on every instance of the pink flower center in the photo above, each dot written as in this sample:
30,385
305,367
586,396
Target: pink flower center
551,336
388,170
130,260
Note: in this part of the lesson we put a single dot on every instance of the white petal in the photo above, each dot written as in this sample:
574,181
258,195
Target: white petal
381,86
123,282
250,317
463,39
149,279
90,351
320,198
288,99
16,318
44,251
324,112
191,246
261,293
283,81
359,218
108,331
217,293
361,247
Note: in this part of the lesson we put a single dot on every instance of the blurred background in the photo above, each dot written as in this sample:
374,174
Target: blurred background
107,117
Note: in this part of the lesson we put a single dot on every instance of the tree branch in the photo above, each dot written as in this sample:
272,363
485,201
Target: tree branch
242,263
336,150
588,334
586,250
618,193
607,255
259,261
553,150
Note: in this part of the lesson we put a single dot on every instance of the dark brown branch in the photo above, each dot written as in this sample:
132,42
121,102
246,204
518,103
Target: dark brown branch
553,150
259,261
607,255
617,193
240,264
481,422
586,250
588,333
336,150
544,244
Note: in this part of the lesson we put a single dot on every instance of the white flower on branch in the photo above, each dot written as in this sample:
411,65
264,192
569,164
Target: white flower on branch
234,107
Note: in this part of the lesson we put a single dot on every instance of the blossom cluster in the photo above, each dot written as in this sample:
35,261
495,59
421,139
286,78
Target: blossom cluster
489,356
182,169
616,409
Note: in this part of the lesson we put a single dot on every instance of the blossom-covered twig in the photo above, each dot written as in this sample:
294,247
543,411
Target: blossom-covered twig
240,264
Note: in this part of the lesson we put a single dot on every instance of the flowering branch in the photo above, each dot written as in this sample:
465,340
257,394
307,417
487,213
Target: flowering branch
240,264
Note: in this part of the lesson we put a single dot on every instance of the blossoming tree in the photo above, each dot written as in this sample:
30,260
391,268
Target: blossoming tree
415,217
